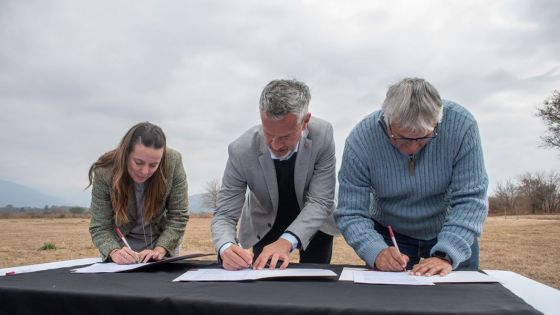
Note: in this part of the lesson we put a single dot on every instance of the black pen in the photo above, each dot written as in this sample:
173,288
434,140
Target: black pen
250,265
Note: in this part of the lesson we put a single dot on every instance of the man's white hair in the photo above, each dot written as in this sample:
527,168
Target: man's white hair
414,104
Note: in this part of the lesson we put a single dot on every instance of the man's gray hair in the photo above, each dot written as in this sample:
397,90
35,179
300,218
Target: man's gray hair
281,97
414,104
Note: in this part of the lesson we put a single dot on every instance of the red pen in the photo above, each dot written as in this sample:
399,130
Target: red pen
393,238
121,236
10,273
392,235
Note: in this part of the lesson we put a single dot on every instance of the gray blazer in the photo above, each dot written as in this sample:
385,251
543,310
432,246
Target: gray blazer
250,190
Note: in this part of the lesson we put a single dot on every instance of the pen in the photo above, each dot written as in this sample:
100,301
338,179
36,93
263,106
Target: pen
119,233
252,265
393,239
267,265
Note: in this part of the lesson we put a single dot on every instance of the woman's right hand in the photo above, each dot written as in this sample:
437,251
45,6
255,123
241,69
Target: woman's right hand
124,256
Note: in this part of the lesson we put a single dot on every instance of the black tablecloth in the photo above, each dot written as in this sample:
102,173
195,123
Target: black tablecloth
153,292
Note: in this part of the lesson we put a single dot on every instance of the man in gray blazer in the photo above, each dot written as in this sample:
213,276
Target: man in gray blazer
280,180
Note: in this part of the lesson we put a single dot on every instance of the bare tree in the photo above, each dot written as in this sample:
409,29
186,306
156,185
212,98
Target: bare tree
541,191
530,188
549,112
551,193
508,195
210,198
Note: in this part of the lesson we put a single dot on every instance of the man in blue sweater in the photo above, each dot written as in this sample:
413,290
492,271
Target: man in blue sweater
415,165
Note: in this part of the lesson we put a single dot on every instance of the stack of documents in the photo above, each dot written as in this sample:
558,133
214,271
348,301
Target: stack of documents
112,267
250,274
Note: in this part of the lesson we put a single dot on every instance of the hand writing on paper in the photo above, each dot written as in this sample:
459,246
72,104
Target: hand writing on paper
279,250
152,254
431,266
124,256
390,259
235,257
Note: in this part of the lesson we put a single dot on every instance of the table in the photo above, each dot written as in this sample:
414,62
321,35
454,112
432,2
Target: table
58,291
542,297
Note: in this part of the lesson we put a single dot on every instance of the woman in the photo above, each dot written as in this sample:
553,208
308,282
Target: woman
141,188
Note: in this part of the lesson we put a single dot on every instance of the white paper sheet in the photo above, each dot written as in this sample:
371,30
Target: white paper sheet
107,267
377,277
381,277
250,274
48,266
347,273
462,277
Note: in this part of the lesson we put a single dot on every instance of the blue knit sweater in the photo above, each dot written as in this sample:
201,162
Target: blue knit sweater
445,197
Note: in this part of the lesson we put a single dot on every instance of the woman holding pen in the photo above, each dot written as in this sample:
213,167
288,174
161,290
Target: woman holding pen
139,188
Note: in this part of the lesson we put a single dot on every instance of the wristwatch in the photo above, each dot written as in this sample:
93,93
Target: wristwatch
442,255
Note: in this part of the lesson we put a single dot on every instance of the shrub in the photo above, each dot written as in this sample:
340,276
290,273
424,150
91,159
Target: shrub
77,210
47,246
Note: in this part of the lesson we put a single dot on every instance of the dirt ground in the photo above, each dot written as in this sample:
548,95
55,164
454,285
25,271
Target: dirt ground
529,245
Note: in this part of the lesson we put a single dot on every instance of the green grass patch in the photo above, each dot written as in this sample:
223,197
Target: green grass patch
47,246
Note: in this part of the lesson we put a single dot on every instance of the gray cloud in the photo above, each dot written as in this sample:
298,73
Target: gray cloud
76,76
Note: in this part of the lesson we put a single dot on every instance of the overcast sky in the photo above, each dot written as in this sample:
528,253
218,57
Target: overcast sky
75,75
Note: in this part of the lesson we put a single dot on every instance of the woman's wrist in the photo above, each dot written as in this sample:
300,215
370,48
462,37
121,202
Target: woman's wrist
161,250
112,252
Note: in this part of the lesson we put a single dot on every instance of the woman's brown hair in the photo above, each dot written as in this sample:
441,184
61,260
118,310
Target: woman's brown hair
150,136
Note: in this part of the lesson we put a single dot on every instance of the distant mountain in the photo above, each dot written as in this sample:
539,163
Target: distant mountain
22,196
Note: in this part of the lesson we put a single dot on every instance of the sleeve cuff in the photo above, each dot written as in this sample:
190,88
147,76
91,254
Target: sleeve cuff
223,249
458,251
288,236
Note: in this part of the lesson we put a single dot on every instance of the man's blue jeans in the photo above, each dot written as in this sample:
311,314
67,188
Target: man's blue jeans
416,249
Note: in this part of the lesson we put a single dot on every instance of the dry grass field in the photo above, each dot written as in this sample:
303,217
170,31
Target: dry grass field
529,245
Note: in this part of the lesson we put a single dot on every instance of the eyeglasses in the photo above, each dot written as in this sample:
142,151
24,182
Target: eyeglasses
409,141
404,140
